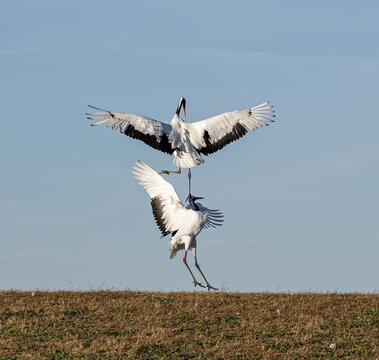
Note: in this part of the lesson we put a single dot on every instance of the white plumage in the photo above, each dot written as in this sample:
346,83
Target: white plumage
183,223
187,141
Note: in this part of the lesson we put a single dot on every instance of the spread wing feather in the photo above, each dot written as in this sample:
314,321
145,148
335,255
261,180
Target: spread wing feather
152,132
214,217
168,210
211,135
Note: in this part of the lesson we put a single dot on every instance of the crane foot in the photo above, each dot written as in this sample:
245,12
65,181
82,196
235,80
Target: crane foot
200,284
211,287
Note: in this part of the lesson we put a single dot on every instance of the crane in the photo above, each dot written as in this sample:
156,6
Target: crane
187,141
183,223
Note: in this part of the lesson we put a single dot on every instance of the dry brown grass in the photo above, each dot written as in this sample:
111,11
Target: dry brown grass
143,325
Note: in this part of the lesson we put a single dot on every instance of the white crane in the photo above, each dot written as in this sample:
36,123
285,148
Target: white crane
187,141
183,223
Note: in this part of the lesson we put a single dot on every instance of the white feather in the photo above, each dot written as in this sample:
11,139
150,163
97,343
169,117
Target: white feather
187,141
185,222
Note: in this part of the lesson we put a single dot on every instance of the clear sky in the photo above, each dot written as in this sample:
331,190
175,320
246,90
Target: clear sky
300,197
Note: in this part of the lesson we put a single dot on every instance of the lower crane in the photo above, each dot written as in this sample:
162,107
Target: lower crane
172,217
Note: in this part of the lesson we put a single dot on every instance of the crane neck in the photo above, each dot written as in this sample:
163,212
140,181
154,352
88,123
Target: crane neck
177,119
182,104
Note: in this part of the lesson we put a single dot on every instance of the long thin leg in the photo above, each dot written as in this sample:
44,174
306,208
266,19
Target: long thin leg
189,197
168,172
194,280
198,267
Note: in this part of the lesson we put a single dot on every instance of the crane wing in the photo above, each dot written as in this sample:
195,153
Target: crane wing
214,217
168,210
211,135
152,132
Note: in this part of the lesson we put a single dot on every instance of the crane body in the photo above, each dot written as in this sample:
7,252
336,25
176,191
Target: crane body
172,217
187,141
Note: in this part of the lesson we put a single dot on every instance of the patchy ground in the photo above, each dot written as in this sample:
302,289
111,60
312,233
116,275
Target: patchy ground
199,325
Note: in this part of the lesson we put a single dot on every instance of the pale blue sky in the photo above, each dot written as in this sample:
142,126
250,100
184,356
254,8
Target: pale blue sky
300,198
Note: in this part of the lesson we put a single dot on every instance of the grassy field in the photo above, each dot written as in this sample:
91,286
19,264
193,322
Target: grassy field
199,325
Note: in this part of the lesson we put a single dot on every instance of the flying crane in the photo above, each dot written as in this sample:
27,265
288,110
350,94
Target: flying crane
187,141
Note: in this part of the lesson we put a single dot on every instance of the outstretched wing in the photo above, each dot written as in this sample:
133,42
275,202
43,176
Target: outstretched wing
168,210
211,135
152,132
214,217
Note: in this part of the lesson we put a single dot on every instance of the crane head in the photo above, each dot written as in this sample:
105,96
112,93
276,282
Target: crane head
182,104
191,200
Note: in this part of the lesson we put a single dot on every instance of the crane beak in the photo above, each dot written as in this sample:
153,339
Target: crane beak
194,198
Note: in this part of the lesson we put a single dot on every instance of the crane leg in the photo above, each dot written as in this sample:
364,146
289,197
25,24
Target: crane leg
168,172
189,197
194,279
198,267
